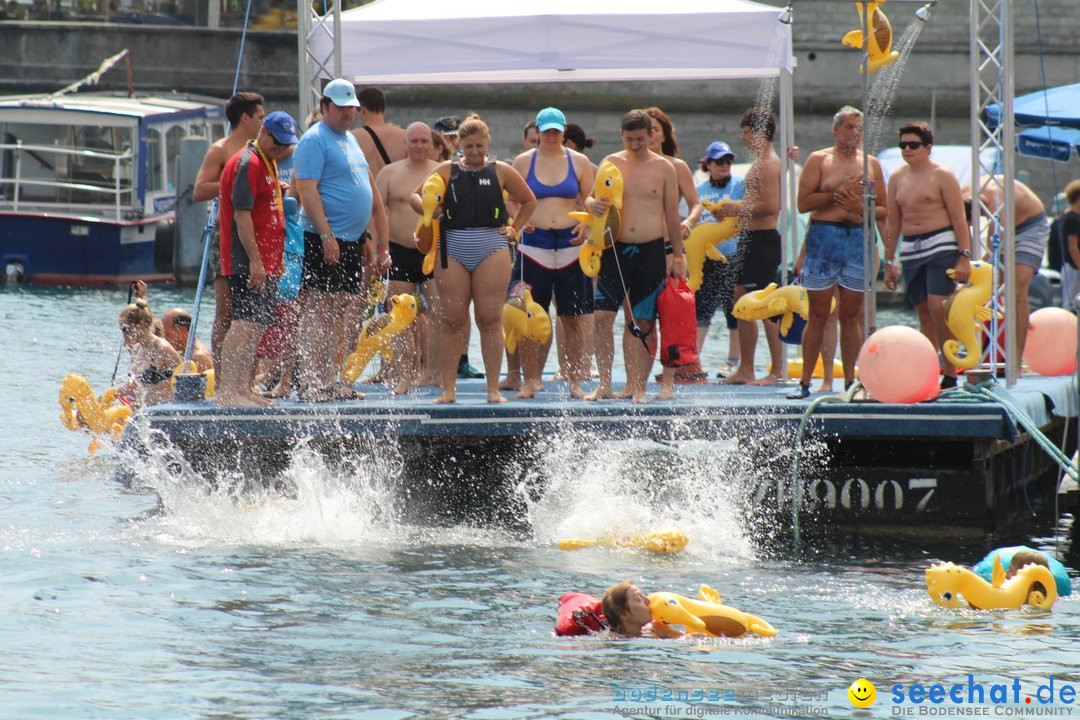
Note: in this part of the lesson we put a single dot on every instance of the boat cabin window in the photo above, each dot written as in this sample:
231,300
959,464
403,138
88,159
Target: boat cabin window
79,165
172,152
155,161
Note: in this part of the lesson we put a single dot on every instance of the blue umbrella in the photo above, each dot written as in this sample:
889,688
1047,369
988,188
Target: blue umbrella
1057,106
1056,143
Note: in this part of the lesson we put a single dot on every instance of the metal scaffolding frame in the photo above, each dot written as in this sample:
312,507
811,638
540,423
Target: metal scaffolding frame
314,68
992,84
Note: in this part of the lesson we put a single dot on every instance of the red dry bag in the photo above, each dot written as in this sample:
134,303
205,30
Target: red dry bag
678,324
579,614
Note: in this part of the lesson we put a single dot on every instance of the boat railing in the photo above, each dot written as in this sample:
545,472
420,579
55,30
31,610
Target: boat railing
116,192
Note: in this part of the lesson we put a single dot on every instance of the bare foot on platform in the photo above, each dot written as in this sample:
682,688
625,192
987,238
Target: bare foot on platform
737,379
602,392
623,394
524,394
640,398
446,398
228,400
402,389
665,394
767,381
575,390
824,387
510,383
494,396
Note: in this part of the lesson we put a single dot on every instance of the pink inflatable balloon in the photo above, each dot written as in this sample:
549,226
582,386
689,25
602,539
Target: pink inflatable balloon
1050,348
897,364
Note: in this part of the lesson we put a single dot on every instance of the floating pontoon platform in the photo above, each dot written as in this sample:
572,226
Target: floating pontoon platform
950,464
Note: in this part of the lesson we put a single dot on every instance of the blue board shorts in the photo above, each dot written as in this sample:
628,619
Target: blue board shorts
834,256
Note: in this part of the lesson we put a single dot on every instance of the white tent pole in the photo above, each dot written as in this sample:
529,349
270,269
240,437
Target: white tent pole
788,210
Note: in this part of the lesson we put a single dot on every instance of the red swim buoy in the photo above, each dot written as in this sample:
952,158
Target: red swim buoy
678,324
580,614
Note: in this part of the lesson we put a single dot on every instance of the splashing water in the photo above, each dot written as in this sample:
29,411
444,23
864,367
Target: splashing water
580,488
883,90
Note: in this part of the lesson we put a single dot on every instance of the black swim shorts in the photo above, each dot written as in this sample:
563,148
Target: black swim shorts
347,276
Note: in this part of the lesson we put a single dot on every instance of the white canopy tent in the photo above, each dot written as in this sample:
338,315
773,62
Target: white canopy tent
432,41
513,41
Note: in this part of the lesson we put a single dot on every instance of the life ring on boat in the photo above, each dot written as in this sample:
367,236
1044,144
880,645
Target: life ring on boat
80,409
601,230
985,567
953,586
189,368
580,614
706,615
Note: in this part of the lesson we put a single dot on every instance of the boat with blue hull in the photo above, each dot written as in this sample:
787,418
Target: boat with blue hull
88,184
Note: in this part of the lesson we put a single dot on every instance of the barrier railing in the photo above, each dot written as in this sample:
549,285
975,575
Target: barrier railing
117,194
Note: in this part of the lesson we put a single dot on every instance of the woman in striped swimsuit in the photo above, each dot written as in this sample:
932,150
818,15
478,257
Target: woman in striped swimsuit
474,263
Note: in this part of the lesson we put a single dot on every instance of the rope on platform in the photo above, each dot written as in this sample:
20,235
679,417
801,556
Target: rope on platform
982,392
979,392
796,487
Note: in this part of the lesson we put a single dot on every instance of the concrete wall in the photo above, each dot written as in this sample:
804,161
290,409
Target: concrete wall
45,56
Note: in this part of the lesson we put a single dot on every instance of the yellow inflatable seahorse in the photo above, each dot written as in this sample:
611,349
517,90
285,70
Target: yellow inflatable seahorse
879,37
524,318
953,586
81,410
601,230
705,615
965,313
668,541
771,301
427,227
375,337
702,244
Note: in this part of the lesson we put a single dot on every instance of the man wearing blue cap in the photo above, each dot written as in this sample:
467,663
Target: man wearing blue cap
252,221
339,200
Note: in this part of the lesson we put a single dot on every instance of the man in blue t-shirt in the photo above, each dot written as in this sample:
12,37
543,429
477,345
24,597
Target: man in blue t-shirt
339,201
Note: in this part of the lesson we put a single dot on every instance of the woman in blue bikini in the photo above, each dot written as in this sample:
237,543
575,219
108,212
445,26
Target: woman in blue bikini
474,262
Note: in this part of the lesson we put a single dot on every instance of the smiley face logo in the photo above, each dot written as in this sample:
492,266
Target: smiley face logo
862,693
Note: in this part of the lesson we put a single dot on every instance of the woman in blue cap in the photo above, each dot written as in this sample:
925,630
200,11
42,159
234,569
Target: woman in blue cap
561,179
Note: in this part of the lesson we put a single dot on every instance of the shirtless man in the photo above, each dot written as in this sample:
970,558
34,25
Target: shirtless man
926,206
1032,230
830,189
176,326
245,113
758,256
650,211
381,142
396,183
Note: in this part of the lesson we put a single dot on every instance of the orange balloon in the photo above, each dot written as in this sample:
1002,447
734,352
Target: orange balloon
1050,348
897,364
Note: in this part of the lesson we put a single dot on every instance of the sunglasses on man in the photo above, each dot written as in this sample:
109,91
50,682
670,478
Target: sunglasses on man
910,144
